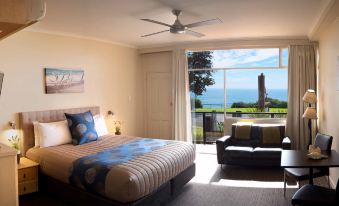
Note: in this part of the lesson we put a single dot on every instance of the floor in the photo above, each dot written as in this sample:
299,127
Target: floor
217,187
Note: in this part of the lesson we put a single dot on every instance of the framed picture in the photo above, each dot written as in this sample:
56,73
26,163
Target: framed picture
1,80
64,81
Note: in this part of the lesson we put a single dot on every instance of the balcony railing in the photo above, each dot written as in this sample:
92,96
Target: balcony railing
207,127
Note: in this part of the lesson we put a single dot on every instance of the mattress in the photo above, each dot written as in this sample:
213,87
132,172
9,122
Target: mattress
125,182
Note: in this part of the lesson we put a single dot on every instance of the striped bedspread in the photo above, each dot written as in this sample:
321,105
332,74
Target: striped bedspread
137,173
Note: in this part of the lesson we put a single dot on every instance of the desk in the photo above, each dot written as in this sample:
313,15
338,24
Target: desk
298,159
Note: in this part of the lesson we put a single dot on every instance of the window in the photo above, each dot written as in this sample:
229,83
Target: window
237,83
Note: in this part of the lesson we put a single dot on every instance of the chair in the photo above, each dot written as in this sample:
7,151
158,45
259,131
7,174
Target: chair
312,195
325,143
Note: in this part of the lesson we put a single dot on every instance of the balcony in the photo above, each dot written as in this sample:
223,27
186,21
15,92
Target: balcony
209,126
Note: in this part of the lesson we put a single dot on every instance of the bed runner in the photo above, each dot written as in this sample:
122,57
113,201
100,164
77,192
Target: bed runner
89,172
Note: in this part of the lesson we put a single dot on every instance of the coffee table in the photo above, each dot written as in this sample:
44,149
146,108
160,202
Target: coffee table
298,159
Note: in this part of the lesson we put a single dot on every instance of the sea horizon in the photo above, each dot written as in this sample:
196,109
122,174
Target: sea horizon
214,97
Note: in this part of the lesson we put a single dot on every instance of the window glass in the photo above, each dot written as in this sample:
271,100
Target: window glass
246,58
284,57
242,92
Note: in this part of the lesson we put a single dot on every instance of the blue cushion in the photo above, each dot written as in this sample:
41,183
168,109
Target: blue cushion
82,127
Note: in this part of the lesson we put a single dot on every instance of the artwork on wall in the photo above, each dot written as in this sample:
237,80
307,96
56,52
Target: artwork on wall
1,80
64,81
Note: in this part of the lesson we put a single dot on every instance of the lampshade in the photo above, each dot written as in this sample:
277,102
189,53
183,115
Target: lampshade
310,113
310,97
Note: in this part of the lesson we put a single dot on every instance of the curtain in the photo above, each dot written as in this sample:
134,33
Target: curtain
181,99
301,77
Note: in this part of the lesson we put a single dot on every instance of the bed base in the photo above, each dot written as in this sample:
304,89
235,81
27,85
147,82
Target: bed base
76,196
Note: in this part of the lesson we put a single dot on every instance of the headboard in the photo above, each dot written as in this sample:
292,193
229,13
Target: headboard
26,120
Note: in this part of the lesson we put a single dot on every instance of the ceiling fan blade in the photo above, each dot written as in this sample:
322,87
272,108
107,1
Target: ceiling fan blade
194,33
155,33
204,23
156,22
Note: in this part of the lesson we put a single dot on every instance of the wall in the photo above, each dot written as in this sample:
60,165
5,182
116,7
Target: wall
328,95
111,77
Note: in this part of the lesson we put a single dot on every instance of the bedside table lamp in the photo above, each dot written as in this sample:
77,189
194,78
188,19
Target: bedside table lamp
311,112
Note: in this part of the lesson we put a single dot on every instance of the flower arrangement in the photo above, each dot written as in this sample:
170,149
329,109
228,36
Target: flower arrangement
117,125
15,142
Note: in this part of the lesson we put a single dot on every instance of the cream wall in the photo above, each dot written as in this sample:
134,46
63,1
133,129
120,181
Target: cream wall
328,94
111,77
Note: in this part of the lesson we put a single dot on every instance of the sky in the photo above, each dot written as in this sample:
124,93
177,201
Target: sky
243,58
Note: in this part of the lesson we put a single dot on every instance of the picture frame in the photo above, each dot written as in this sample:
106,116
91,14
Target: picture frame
64,80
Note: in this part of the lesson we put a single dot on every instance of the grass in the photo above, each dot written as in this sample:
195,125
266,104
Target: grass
197,133
277,110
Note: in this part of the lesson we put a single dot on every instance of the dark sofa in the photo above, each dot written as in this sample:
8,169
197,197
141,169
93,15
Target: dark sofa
251,152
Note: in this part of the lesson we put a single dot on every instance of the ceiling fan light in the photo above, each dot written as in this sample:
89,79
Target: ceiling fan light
177,30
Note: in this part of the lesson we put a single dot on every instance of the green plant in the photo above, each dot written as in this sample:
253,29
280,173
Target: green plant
220,127
15,142
199,80
197,133
196,103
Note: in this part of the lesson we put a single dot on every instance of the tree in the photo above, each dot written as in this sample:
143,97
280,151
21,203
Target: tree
199,80
196,103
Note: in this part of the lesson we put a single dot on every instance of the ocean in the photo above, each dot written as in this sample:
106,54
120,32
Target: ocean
214,97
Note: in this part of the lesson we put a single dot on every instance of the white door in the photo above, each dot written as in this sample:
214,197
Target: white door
159,109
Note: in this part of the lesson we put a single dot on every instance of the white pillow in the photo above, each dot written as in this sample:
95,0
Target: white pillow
53,133
100,125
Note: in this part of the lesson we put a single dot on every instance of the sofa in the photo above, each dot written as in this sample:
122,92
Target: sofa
256,148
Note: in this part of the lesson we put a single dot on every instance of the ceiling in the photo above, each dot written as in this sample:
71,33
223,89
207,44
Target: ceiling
118,20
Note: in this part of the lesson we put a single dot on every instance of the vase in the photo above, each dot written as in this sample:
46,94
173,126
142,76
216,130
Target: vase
118,133
18,158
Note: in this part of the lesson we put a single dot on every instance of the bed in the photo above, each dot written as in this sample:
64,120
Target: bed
149,178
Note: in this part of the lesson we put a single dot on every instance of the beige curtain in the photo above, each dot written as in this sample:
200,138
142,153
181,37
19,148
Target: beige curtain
301,76
181,98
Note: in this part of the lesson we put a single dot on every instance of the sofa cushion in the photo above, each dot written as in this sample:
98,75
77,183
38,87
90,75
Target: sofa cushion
267,153
243,132
270,135
238,152
255,130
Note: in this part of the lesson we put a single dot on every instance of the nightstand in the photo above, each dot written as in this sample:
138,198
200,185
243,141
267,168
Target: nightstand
27,176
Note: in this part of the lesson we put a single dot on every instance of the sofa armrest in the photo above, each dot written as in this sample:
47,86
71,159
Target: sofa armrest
286,143
222,143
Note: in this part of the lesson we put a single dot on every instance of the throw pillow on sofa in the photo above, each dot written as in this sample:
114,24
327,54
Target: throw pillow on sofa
243,132
271,136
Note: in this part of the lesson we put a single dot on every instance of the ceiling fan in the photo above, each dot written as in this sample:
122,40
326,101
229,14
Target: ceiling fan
178,28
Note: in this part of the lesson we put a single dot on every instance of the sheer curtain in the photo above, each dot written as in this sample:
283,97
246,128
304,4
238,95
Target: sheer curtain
181,98
301,76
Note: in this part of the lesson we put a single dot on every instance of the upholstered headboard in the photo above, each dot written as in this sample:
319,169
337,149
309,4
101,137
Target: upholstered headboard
27,118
